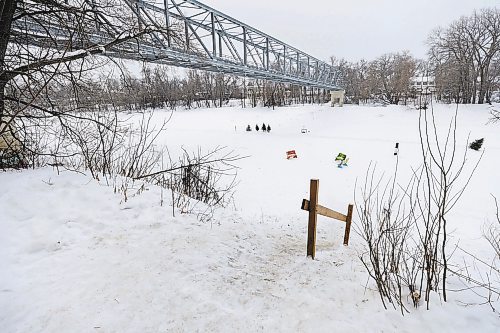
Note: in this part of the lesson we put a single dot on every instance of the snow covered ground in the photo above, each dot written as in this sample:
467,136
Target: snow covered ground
73,258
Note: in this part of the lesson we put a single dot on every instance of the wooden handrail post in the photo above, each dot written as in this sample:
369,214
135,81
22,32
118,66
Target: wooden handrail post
314,209
313,217
348,224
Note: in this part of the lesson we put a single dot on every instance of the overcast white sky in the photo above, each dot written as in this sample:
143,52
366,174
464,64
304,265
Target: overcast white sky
352,29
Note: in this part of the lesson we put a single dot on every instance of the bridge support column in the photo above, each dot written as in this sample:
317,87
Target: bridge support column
337,97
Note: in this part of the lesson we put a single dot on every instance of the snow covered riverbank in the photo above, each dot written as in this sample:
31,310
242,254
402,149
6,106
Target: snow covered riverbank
75,259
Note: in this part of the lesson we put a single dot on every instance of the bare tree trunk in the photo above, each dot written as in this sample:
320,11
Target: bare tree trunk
482,86
7,12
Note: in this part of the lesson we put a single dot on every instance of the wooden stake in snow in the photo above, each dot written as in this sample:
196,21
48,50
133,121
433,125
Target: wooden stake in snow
314,209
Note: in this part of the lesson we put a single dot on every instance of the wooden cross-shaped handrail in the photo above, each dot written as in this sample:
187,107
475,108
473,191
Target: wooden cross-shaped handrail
314,209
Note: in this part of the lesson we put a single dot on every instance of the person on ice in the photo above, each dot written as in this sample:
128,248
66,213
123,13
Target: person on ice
341,160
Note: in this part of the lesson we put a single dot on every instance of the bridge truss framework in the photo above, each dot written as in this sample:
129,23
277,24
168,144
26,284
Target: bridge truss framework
190,34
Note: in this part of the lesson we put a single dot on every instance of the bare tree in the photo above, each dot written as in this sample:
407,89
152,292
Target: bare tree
46,78
387,78
464,56
391,75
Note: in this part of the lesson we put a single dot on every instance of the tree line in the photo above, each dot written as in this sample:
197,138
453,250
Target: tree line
157,87
463,60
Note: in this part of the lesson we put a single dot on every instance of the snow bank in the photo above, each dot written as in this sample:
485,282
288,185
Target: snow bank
73,258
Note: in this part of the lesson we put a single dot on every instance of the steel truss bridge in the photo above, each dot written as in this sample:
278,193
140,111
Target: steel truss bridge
188,34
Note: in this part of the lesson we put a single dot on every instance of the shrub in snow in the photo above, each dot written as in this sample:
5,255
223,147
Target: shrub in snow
257,128
495,114
263,127
249,129
492,234
268,128
406,248
11,159
477,144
